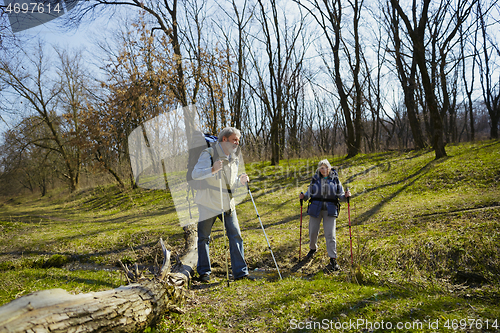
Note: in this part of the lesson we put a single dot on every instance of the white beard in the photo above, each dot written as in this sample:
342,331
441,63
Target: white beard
231,148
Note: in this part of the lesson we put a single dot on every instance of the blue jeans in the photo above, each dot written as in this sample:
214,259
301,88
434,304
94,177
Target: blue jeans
238,264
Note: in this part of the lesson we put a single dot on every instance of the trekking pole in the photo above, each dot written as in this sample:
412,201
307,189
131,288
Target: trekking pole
263,230
300,238
223,226
349,217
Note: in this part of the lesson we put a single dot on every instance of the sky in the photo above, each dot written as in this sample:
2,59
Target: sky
81,38
53,33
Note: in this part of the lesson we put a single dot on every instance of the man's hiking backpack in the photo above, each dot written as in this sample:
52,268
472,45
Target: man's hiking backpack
199,142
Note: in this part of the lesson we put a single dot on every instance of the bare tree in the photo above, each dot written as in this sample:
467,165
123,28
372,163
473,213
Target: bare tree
295,105
5,34
164,16
491,90
30,166
443,62
137,88
469,110
417,34
374,92
237,47
31,82
328,16
284,65
356,68
407,77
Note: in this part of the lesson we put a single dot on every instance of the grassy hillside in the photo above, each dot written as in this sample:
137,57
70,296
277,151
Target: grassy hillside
425,242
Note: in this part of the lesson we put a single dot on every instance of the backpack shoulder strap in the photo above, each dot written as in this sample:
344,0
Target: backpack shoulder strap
212,153
334,174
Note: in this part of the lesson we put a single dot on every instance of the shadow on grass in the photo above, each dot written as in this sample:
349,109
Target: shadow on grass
41,216
61,277
301,264
355,316
88,257
355,308
362,218
393,310
137,238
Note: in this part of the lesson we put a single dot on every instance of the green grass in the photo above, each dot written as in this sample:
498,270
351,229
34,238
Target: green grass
425,241
98,223
325,302
15,283
86,231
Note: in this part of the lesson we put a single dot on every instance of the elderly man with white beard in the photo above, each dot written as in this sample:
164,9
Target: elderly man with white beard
219,165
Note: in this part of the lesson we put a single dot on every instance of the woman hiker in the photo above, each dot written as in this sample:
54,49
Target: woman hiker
325,192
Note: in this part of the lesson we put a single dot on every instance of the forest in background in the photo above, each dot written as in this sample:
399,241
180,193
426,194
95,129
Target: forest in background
300,79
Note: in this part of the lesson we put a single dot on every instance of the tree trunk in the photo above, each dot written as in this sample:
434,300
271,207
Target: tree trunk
352,146
407,82
125,309
494,124
417,35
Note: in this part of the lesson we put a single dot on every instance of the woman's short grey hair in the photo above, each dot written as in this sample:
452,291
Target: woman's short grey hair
227,132
324,162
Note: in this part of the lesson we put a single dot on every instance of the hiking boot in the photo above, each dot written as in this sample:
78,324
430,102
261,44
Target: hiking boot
205,278
310,254
333,265
245,277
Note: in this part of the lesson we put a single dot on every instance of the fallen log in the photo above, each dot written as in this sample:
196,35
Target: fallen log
128,308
